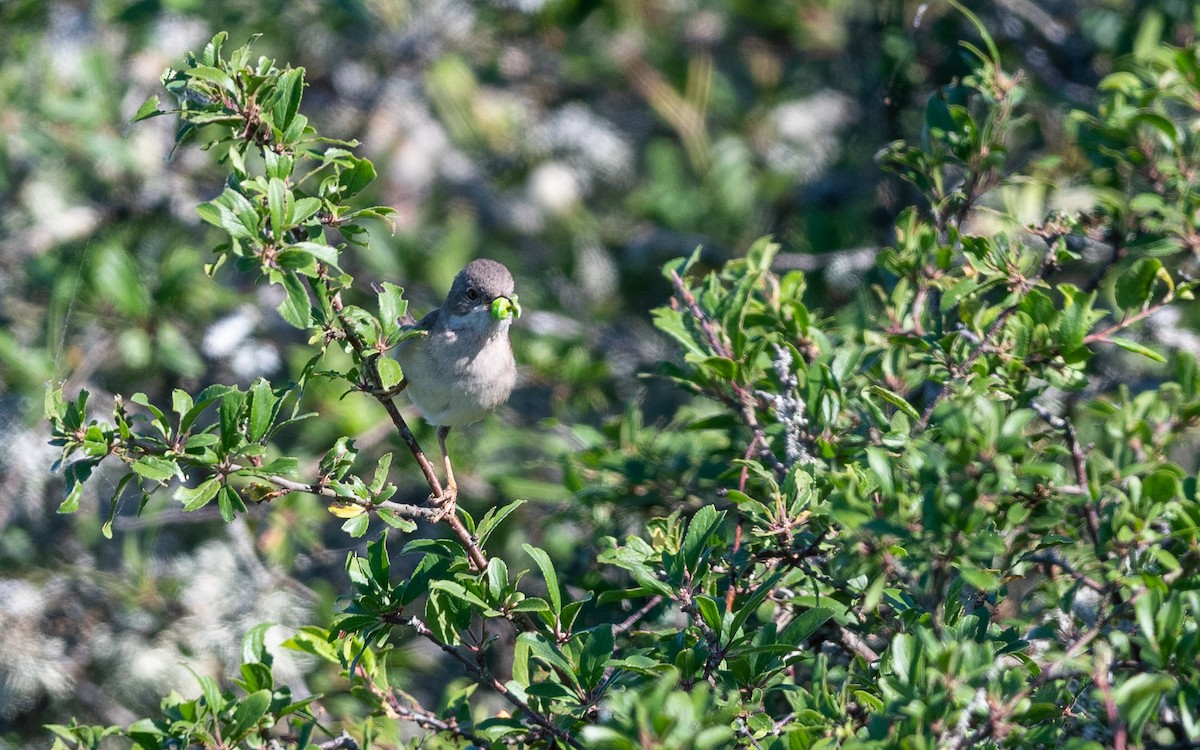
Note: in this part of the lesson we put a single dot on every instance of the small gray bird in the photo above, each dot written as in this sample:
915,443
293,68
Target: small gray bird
460,367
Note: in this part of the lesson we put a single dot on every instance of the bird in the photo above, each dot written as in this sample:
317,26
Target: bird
457,362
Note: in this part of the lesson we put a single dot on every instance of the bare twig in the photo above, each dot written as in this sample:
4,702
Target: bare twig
633,619
855,643
418,715
1112,713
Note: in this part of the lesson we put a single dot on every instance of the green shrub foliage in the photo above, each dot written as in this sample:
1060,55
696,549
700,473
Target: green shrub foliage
935,519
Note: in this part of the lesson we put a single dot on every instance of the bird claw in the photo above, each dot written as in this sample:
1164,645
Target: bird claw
446,504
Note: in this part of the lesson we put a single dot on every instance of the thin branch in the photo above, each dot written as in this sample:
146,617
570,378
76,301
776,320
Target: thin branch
1112,713
1125,322
633,619
855,643
1066,567
418,714
687,604
369,359
342,742
745,399
960,370
482,674
1079,461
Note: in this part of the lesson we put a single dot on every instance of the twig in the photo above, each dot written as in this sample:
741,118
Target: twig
1058,562
745,398
958,371
290,485
1125,322
687,604
1079,462
417,714
482,674
342,742
855,643
745,731
1120,730
632,620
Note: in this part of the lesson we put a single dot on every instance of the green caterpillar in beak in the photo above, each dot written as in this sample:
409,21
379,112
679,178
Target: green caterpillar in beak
504,308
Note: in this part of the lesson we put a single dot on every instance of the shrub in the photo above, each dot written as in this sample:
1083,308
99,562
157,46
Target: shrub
933,518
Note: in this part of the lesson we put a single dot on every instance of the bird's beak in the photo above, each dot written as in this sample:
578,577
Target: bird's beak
505,308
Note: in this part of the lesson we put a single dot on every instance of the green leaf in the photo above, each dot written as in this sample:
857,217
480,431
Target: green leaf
357,177
246,716
1136,348
392,307
710,612
229,504
749,606
805,624
289,88
148,109
390,373
155,468
296,308
597,650
254,649
230,412
896,400
548,574
262,410
76,474
700,529
492,519
194,498
278,198
1135,288
327,254
1076,317
395,520
378,562
357,526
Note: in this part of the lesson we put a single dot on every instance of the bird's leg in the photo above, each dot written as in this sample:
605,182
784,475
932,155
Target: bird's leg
450,495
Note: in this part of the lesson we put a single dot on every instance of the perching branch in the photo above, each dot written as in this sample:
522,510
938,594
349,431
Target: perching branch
371,368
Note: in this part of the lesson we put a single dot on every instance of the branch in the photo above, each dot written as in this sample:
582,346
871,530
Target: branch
341,742
370,365
855,643
483,675
745,398
1128,320
959,371
715,654
417,714
1079,462
633,619
1112,713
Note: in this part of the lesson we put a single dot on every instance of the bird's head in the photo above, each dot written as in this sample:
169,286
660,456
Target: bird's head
482,297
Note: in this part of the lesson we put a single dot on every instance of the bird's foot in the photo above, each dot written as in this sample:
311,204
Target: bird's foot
446,504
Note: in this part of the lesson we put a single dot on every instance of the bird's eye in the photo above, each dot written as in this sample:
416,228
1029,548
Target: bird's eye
472,294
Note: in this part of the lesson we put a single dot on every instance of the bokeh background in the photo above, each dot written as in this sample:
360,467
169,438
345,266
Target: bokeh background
581,142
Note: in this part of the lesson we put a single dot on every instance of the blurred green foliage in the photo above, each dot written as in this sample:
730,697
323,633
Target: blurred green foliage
1007,595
